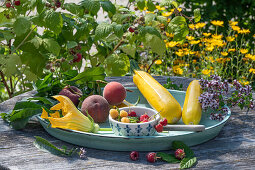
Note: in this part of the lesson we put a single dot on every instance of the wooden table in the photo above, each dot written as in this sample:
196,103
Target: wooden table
233,148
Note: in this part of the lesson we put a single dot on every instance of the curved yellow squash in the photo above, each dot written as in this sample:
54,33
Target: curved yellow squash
192,111
157,96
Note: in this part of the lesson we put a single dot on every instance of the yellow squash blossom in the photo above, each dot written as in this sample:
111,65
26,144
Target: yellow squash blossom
160,8
206,71
158,62
233,23
230,38
231,50
224,53
72,118
206,34
200,25
243,51
217,23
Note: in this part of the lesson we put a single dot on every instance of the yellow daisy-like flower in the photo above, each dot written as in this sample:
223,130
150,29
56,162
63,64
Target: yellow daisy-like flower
252,57
215,36
160,8
177,70
192,26
171,35
206,71
190,38
209,48
233,23
149,12
192,52
244,31
194,61
244,82
200,25
253,35
235,28
168,20
194,42
243,51
179,53
179,9
206,34
158,62
217,23
230,38
231,50
224,53
172,44
167,14
252,70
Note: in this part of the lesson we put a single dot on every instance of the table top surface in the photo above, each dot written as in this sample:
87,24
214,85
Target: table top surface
233,148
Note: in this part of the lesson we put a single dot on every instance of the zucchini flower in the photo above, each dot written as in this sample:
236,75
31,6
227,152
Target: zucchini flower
72,117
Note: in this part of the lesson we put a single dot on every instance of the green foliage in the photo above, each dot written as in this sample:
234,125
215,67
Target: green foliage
179,28
170,158
21,25
156,44
103,30
117,65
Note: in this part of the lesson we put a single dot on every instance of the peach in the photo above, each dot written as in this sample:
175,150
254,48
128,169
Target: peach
114,93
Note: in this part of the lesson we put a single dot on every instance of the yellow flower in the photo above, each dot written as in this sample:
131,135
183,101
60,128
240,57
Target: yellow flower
244,82
171,35
158,62
231,50
160,8
217,23
177,70
209,48
230,38
192,26
206,71
243,51
253,35
145,8
179,53
168,20
200,25
179,9
244,31
233,23
55,115
235,28
190,38
149,12
217,36
167,14
224,53
195,42
252,57
194,61
171,44
192,52
252,70
206,34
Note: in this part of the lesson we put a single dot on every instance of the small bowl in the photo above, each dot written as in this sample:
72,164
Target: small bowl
135,129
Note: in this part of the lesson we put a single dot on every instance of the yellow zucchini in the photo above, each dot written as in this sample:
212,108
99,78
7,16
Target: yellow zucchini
192,111
157,96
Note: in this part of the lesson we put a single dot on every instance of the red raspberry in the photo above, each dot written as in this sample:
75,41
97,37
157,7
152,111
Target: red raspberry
17,3
145,120
143,117
57,3
180,154
151,157
77,58
8,5
159,127
163,122
132,114
130,29
134,155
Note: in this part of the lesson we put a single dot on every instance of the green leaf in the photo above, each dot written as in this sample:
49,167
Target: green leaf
21,25
44,100
150,5
197,15
162,19
178,26
108,7
90,74
11,63
19,124
36,41
45,145
40,5
118,30
117,65
141,4
133,65
150,30
54,21
103,30
24,113
74,8
156,44
188,162
92,6
180,145
71,44
129,49
51,45
170,158
26,104
149,17
169,3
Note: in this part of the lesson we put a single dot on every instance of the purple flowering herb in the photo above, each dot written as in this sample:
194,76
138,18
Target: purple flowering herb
82,153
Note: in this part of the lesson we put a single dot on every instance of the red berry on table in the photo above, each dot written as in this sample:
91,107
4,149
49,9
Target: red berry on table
17,3
130,29
134,155
180,154
8,5
144,117
77,58
163,122
132,114
151,157
159,127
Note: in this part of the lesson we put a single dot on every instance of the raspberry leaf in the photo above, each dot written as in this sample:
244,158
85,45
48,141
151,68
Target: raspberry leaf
188,162
170,158
180,145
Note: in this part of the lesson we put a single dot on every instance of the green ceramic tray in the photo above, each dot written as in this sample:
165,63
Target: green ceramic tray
162,141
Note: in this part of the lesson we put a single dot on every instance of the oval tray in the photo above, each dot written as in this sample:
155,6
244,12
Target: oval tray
106,140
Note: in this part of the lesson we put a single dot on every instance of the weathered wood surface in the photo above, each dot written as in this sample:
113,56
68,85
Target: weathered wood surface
233,148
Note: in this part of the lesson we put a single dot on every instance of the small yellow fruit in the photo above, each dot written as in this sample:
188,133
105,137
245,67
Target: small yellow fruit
114,113
125,120
123,113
